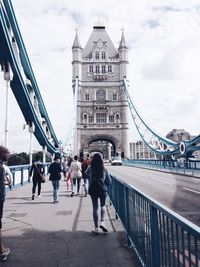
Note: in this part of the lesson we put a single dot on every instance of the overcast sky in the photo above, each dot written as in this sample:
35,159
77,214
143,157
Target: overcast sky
164,59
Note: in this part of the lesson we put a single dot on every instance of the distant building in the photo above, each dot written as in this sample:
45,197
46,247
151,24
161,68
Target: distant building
139,150
178,135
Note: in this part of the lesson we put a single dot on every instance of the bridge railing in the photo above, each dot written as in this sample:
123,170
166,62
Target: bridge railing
21,173
187,168
159,236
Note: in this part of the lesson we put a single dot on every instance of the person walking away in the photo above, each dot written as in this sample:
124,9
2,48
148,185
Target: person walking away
36,171
69,177
65,168
4,153
8,176
99,180
76,174
55,176
86,162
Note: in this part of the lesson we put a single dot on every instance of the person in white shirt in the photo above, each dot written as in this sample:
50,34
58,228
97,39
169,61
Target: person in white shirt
76,174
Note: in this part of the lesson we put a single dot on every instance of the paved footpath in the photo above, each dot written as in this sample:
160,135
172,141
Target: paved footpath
41,233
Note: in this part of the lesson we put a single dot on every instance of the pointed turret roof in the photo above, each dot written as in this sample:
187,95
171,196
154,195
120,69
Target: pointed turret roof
99,35
122,43
76,41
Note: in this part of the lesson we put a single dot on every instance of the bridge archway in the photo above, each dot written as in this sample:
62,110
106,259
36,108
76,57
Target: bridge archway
107,145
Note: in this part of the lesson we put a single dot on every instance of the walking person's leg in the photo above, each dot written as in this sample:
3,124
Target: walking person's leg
4,252
54,190
34,188
103,211
57,185
39,188
78,185
73,186
95,213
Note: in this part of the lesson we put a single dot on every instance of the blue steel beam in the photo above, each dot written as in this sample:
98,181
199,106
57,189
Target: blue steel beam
17,84
157,143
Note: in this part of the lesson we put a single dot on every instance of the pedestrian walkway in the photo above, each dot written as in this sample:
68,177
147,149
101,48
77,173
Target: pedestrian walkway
41,233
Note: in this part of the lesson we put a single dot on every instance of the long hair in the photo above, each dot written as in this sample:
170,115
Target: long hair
97,166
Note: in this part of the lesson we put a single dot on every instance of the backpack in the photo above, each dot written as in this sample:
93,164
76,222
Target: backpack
96,188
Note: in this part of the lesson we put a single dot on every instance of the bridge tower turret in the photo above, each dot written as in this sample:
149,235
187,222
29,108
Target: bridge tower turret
76,59
123,56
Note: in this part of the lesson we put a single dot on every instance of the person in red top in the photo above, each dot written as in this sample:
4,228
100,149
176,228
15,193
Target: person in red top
84,167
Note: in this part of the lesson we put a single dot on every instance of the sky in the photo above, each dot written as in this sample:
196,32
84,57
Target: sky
164,60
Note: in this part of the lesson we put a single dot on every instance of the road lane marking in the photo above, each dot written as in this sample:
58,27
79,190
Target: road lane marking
191,190
164,182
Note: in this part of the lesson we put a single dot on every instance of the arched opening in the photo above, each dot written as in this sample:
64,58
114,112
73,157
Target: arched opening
107,145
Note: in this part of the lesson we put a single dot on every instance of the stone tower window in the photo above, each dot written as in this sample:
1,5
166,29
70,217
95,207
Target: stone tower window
97,55
91,68
110,68
114,97
103,55
101,117
97,69
91,119
101,95
103,69
87,97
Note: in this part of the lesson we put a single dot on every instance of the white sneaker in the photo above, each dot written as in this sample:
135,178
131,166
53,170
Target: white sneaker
39,196
103,227
96,230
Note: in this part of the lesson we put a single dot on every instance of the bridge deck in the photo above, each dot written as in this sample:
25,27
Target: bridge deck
42,233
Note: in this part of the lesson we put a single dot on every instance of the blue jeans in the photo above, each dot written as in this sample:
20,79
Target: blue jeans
95,206
86,185
56,184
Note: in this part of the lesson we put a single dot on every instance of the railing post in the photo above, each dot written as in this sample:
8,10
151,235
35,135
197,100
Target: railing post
155,238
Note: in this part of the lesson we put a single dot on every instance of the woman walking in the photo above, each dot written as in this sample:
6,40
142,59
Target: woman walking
76,174
99,180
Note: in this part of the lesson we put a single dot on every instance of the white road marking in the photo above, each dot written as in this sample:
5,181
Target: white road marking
164,182
191,190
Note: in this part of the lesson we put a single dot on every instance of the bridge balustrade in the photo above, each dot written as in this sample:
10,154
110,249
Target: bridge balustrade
21,173
159,236
187,167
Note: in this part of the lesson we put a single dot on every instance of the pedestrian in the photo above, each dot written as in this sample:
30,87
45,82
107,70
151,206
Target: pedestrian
65,168
8,176
36,172
76,174
55,176
99,180
69,177
86,162
4,153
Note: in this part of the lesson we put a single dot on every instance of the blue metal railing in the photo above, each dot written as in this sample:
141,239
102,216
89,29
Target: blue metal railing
159,236
187,168
21,173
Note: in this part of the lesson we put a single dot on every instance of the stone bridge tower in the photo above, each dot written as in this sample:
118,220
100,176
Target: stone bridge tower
102,108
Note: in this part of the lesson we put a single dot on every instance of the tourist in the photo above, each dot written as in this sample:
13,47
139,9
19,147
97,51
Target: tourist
4,251
86,162
99,180
37,171
76,175
55,176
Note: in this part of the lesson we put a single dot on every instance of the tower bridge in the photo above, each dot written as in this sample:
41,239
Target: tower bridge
101,95
100,123
102,107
